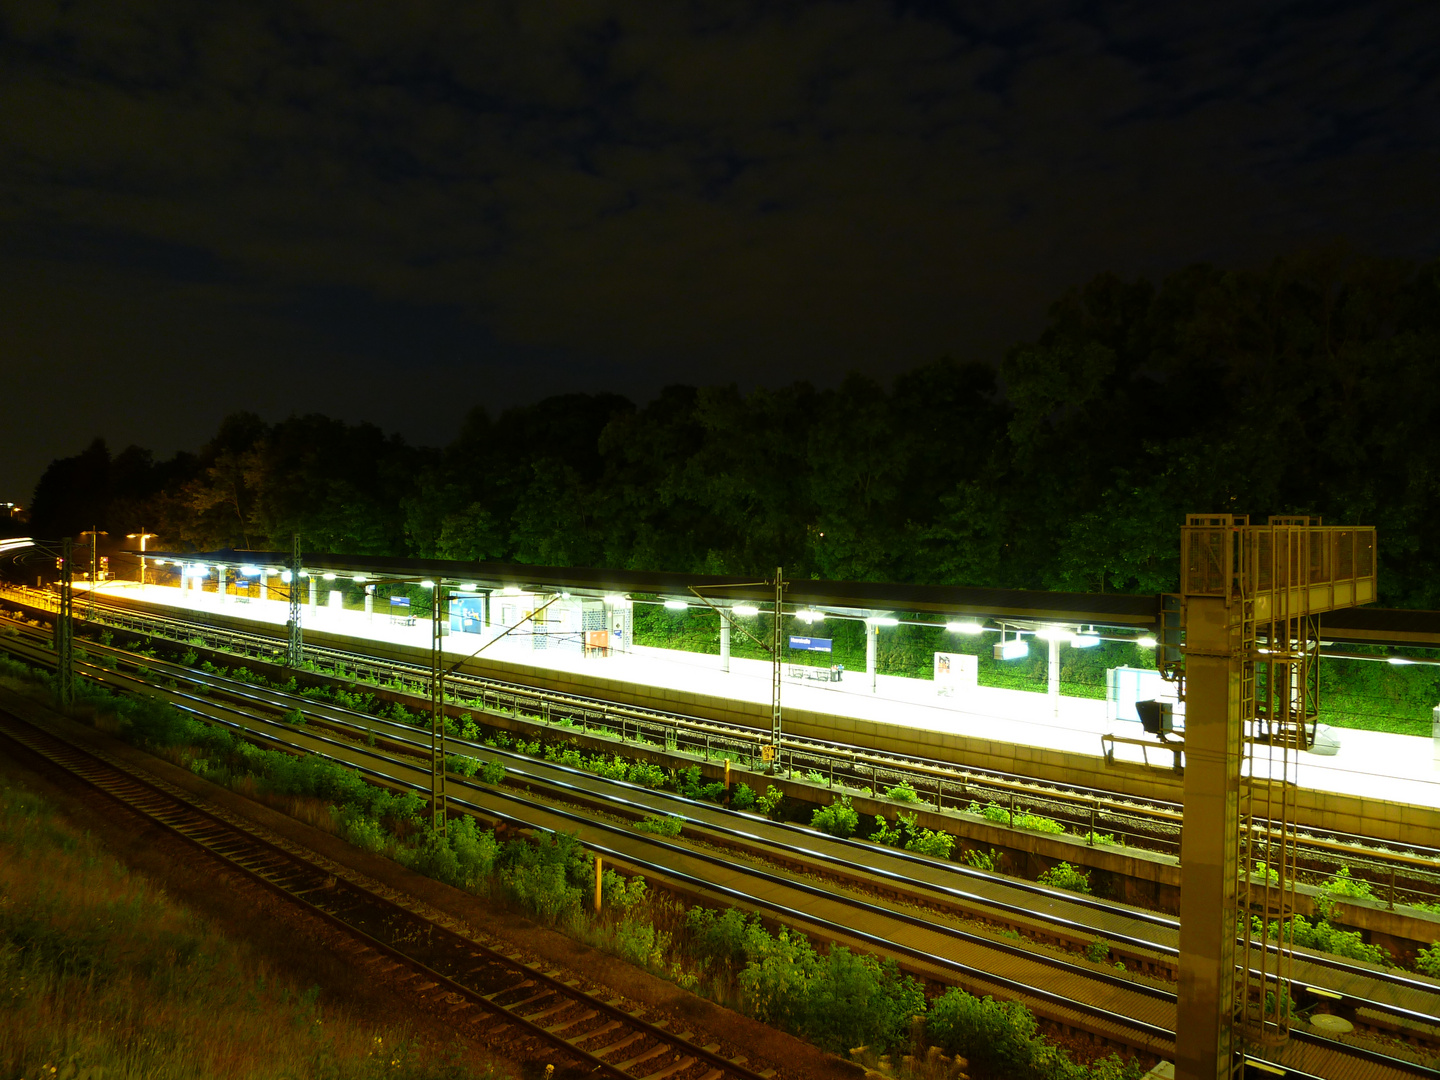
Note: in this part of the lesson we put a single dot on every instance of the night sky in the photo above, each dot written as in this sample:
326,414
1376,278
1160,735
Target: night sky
396,211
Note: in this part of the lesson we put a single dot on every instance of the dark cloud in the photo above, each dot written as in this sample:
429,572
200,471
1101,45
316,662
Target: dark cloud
354,206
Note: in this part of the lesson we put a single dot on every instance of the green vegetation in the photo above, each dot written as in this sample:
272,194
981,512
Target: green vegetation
837,819
668,825
1066,876
1002,1040
102,975
1427,961
907,833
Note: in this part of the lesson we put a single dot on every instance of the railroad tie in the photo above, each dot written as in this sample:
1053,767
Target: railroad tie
604,1029
683,1063
654,1051
589,1014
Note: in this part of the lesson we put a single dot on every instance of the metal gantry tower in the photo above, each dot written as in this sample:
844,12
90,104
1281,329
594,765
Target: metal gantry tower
1250,601
65,630
437,709
777,646
295,647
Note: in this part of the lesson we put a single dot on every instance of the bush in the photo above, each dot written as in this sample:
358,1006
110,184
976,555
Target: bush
982,860
1098,950
492,772
742,797
768,802
837,819
661,826
903,792
718,936
1427,961
1341,886
932,842
462,765
1066,876
549,875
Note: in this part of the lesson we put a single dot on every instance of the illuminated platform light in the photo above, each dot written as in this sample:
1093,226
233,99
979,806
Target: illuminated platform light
328,576
1055,633
965,627
1014,649
427,584
469,586
615,599
1085,639
1399,661
676,605
745,610
1146,642
286,576
249,571
883,620
511,590
810,616
359,579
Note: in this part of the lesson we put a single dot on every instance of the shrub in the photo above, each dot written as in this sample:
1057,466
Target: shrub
1327,938
837,819
1098,950
1038,823
931,842
982,860
662,826
1341,886
1066,876
646,775
718,936
547,875
492,772
462,765
768,802
743,797
620,892
1427,961
902,792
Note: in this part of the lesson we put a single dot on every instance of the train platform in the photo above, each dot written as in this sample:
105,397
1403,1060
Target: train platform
1370,764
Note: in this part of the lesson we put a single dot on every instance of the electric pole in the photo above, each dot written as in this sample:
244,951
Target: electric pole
295,647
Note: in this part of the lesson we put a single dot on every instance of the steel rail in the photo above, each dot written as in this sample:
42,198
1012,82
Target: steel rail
405,734
286,871
663,869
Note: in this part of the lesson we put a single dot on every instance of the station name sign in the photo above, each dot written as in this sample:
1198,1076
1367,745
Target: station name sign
811,644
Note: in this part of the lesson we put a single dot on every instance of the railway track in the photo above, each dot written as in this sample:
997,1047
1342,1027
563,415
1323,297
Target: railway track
1401,874
663,863
493,992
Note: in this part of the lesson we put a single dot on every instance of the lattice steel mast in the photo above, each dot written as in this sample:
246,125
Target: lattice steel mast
295,647
437,709
1251,599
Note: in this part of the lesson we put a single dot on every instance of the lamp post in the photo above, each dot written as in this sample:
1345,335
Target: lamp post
142,536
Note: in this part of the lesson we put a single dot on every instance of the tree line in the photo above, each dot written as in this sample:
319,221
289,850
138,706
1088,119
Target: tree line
1305,386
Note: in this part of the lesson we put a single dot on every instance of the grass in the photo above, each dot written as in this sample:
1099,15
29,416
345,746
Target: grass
102,974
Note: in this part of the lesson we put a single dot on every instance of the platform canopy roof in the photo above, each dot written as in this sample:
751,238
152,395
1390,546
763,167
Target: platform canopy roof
1119,611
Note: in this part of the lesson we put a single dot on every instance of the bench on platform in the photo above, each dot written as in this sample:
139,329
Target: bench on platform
818,674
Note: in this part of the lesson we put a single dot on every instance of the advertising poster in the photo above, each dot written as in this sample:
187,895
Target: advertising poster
955,672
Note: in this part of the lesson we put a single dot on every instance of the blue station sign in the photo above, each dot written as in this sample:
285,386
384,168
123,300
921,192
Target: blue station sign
811,644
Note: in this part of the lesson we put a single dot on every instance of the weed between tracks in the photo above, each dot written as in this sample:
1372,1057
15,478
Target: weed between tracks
102,976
